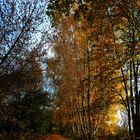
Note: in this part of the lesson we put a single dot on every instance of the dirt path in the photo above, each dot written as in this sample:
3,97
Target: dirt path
52,137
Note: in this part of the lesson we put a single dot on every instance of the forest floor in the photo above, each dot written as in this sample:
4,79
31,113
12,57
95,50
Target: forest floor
52,137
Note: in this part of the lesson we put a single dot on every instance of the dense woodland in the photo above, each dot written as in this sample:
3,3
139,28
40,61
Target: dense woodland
70,66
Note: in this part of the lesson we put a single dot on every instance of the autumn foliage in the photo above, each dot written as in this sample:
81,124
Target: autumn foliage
70,66
95,64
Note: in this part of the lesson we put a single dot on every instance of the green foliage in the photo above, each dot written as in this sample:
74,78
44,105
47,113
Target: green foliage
30,113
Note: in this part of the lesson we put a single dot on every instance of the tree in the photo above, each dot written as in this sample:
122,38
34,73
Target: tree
18,28
22,48
130,69
115,27
83,78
